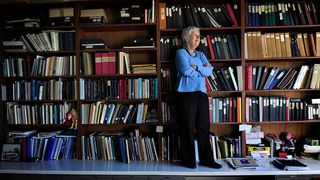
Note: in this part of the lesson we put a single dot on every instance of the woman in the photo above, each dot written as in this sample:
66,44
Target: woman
193,108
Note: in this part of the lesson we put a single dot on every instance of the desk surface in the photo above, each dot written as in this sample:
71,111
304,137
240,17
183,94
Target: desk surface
99,167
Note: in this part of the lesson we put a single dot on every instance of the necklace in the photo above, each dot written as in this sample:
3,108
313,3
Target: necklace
193,55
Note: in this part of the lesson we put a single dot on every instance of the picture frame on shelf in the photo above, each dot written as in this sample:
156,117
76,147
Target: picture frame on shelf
11,152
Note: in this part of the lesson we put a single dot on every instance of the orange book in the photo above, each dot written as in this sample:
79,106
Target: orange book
162,15
278,45
273,45
283,45
239,109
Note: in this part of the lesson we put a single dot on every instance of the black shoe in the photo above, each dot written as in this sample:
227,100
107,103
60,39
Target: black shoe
211,164
189,165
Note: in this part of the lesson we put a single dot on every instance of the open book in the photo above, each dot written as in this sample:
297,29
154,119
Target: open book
236,163
289,164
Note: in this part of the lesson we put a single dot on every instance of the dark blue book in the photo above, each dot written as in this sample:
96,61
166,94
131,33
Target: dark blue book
122,145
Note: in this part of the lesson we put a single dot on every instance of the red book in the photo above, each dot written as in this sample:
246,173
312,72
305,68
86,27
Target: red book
112,63
104,60
98,64
233,17
230,109
307,13
249,77
210,47
123,87
207,85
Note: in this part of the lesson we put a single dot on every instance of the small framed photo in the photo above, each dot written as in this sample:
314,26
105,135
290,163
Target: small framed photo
11,152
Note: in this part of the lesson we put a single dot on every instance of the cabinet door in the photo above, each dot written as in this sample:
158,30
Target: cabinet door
130,177
166,178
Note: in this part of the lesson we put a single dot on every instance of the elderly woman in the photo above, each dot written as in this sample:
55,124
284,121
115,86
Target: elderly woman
193,109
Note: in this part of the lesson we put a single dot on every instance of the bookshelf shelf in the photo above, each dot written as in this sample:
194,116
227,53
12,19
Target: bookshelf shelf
116,76
283,28
40,101
39,77
282,90
224,60
315,58
129,50
120,100
119,27
285,122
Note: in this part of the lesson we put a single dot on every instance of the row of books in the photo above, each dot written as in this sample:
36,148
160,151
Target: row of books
168,77
283,44
170,147
275,108
264,77
54,66
47,146
168,47
222,147
226,147
180,16
117,146
47,113
39,90
283,13
225,79
119,89
226,109
133,14
168,112
49,40
14,67
220,46
103,113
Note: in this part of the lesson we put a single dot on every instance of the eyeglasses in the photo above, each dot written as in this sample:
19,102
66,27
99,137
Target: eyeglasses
196,36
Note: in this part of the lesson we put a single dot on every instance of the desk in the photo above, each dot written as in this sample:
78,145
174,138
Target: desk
150,170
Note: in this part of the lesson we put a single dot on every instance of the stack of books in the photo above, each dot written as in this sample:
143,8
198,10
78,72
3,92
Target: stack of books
61,16
131,14
93,17
143,68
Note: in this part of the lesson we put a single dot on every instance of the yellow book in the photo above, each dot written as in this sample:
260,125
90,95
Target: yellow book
145,110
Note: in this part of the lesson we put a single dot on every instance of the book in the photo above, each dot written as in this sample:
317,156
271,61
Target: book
288,164
236,163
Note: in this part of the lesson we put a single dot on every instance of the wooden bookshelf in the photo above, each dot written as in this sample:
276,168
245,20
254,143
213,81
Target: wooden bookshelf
116,35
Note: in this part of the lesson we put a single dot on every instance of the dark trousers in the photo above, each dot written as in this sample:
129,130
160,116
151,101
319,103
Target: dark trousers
193,111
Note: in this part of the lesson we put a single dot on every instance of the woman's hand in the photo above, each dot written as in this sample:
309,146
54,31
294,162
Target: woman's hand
207,65
195,67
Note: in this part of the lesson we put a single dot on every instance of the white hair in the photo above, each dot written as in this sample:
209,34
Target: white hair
186,33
